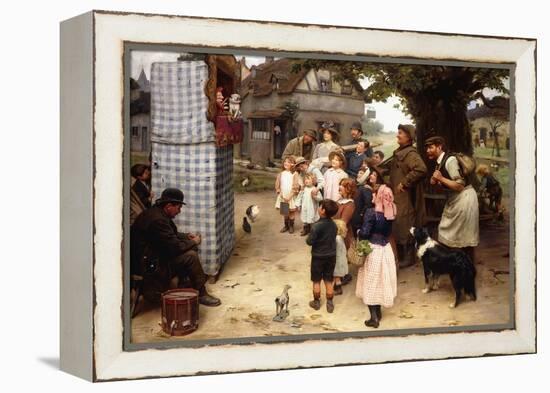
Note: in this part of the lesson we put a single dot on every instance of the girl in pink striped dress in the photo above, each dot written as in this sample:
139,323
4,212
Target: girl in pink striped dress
377,278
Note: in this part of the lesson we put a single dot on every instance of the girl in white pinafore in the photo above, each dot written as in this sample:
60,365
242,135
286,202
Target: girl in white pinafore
341,267
308,201
287,187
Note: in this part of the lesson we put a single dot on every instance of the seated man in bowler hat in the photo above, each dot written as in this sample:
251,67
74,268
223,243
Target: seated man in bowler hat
154,235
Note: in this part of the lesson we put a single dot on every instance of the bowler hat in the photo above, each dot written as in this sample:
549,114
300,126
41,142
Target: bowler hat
311,133
409,129
170,195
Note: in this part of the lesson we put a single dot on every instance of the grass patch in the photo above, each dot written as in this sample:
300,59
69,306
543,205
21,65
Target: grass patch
503,176
258,181
486,152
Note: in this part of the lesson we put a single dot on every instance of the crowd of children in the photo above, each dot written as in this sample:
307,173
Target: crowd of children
337,210
332,222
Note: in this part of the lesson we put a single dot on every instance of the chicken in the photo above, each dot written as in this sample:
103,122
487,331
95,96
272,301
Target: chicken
252,212
246,226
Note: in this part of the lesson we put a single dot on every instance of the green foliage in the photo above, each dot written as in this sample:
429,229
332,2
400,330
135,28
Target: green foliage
372,127
257,181
291,109
438,84
363,248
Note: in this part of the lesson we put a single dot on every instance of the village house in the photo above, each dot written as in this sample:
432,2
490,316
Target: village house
277,105
485,120
140,114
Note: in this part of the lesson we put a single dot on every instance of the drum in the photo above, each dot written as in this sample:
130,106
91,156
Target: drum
180,311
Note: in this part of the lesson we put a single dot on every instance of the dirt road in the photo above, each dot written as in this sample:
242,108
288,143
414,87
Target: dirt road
265,260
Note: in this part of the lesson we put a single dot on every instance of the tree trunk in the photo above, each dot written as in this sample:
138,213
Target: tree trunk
497,146
442,117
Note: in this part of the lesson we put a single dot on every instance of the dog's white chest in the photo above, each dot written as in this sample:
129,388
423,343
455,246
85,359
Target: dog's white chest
425,247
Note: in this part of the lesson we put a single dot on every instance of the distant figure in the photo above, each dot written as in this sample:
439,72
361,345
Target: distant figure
476,140
490,187
482,143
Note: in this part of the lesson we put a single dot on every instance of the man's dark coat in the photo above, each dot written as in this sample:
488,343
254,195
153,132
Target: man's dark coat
154,235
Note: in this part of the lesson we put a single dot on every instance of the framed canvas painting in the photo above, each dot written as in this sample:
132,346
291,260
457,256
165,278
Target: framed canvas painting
302,196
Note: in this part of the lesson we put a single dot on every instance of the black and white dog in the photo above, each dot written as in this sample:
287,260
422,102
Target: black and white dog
438,259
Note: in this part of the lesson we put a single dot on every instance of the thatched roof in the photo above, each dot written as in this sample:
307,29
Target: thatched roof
498,107
260,81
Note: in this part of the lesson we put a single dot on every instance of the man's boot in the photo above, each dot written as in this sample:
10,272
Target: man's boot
285,228
208,300
373,321
290,226
305,230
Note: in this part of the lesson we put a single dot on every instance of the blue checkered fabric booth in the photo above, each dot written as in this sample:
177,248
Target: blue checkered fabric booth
185,156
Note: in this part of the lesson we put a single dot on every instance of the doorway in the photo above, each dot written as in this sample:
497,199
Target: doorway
280,138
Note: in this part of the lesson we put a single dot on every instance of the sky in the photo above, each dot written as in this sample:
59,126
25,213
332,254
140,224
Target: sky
144,59
386,113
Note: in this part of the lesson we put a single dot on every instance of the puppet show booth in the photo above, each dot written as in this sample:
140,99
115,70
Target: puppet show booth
193,132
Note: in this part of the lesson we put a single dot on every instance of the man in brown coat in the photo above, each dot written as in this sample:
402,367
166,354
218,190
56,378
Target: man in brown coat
407,170
301,146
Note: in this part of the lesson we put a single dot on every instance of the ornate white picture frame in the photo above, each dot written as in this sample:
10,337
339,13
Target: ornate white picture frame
92,224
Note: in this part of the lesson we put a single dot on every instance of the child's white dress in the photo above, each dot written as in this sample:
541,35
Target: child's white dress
287,182
341,267
309,203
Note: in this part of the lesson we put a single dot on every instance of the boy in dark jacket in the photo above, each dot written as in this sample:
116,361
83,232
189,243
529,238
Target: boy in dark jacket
322,240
